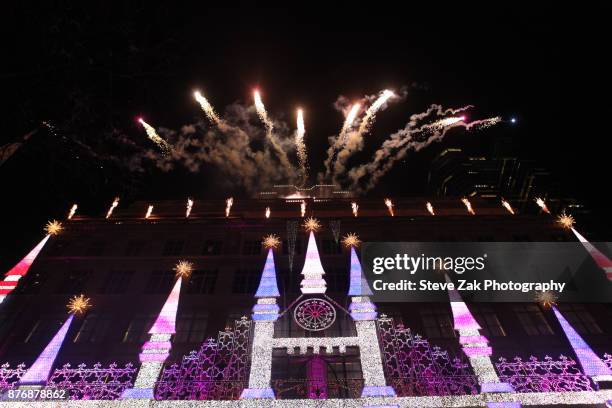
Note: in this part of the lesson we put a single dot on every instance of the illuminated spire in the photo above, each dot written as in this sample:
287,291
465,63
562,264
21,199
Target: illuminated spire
267,284
39,372
166,320
462,317
313,272
602,261
590,362
358,284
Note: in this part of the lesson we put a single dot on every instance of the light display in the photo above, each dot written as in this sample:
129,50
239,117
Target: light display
300,146
312,224
358,286
155,138
566,220
507,206
312,271
112,207
389,205
189,207
351,240
271,241
355,209
183,269
166,320
468,206
292,227
228,206
542,204
314,314
206,107
600,259
267,284
267,212
73,210
149,212
303,208
53,227
78,305
546,299
430,208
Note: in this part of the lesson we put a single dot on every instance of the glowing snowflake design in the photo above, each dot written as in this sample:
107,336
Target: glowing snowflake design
314,314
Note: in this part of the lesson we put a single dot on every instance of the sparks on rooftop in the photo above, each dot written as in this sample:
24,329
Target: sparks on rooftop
189,207
228,206
542,204
267,212
430,208
468,205
389,205
149,212
507,206
355,208
112,207
303,208
72,211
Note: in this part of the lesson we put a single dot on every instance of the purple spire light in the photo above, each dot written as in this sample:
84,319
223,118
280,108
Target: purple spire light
166,320
358,284
267,284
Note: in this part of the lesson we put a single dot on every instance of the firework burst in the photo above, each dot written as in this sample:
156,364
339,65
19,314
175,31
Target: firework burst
72,211
53,227
507,206
78,304
228,206
152,133
351,240
312,224
270,241
542,204
468,205
189,207
183,269
389,205
355,208
430,208
207,107
546,299
112,207
566,220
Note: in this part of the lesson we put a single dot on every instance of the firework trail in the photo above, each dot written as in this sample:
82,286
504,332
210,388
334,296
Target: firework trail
149,212
415,136
152,133
228,206
207,108
389,205
442,123
263,115
483,123
112,207
507,206
355,208
338,142
430,208
303,208
267,212
354,140
301,147
542,204
468,205
72,211
189,207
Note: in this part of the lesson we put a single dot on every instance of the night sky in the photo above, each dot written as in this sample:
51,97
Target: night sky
89,71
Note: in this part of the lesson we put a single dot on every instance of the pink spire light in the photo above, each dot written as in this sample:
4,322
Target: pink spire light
166,320
312,271
602,261
20,270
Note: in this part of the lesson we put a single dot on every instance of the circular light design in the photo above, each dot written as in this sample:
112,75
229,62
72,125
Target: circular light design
314,314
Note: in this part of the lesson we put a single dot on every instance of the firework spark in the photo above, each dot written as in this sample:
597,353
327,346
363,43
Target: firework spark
152,133
468,205
207,107
312,224
389,205
112,207
270,241
370,114
267,212
263,116
566,220
351,240
78,304
546,299
72,211
483,123
228,206
300,146
149,212
303,208
442,123
53,227
355,208
350,118
542,204
507,206
189,207
430,208
183,269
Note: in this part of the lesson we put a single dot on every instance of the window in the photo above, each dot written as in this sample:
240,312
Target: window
134,248
437,322
95,248
580,319
160,282
202,282
251,248
173,247
137,331
191,327
73,282
488,321
533,321
212,247
330,247
246,280
298,247
117,282
93,329
42,330
337,280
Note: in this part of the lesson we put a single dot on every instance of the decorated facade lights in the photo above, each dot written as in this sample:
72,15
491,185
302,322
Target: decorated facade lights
591,364
267,212
155,351
303,208
312,272
189,207
72,211
112,207
265,313
542,204
149,212
355,208
474,345
389,205
363,312
468,205
38,373
228,206
507,206
430,208
9,283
